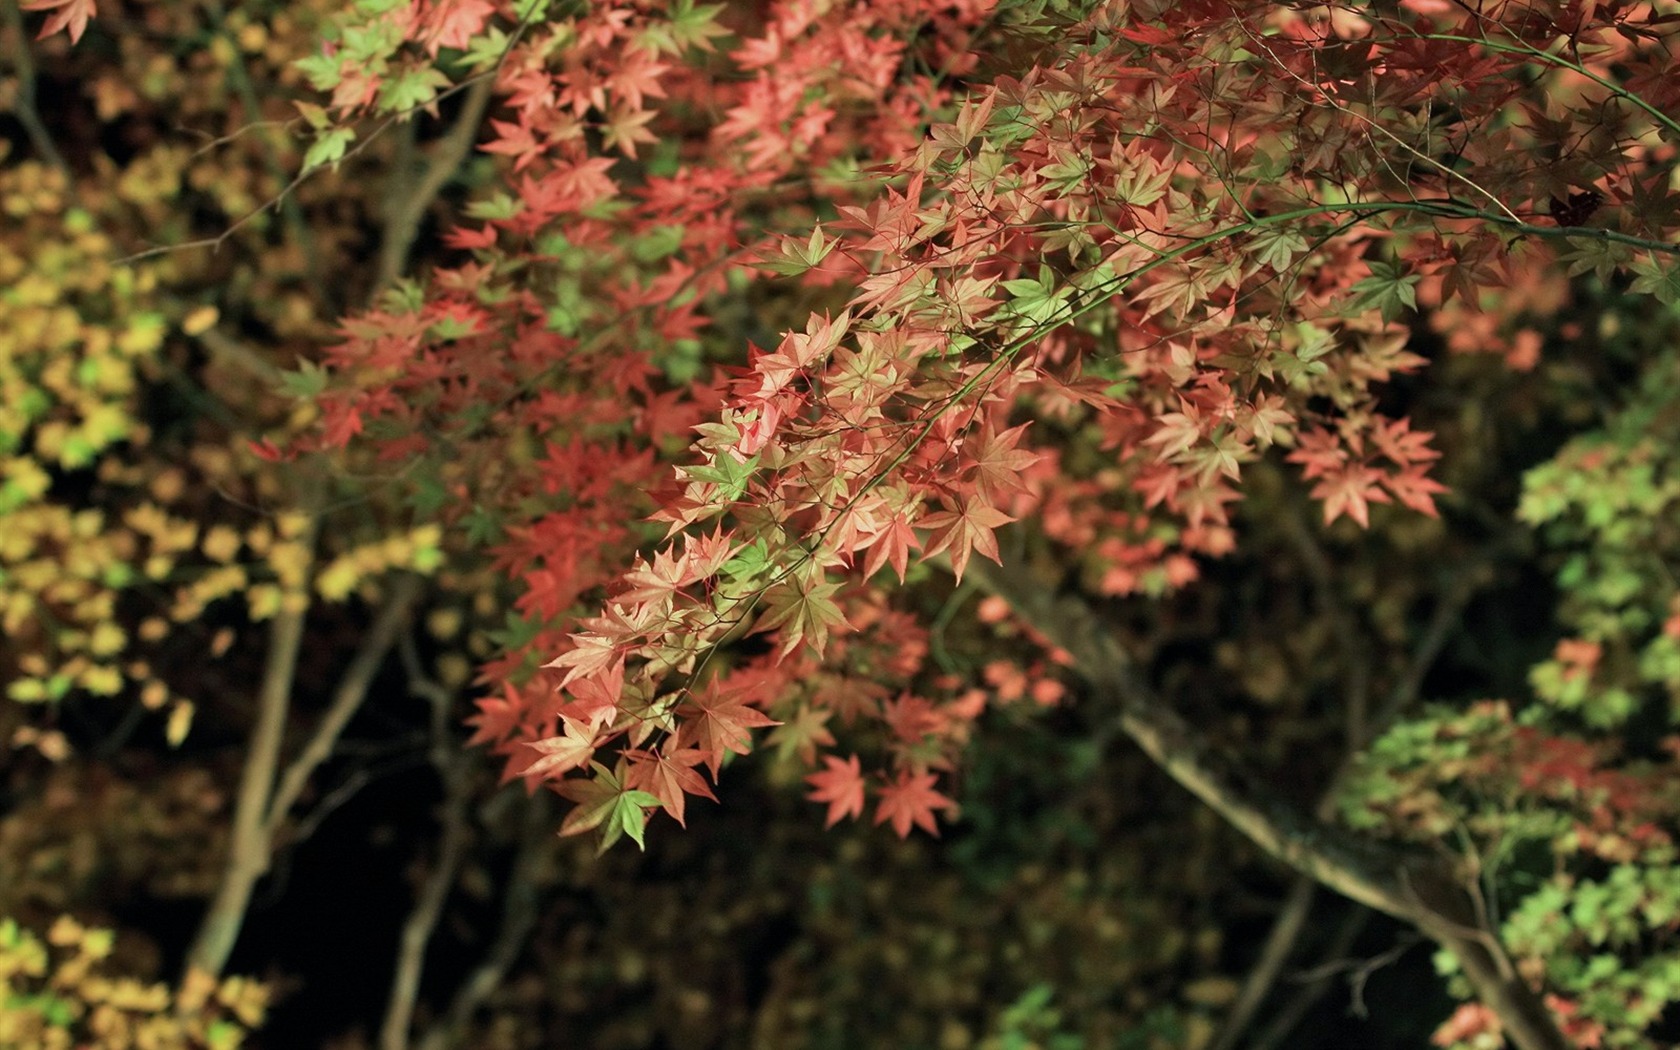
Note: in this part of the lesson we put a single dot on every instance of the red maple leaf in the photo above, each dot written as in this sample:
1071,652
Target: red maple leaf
1416,490
964,530
1350,491
1000,466
498,717
719,720
561,754
669,777
841,786
453,23
911,801
72,15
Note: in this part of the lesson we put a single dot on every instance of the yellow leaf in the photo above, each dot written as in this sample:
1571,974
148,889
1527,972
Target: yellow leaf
199,320
107,639
221,544
180,721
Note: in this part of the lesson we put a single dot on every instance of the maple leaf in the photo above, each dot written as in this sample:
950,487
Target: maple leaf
1414,489
913,718
966,529
669,777
1349,491
892,545
803,612
999,465
656,582
803,734
717,719
590,655
69,15
911,800
595,696
498,717
453,24
559,755
841,786
626,128
605,801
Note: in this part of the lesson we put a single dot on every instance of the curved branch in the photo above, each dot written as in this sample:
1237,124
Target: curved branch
1410,885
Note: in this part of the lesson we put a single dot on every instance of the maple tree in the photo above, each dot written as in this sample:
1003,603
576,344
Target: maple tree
766,302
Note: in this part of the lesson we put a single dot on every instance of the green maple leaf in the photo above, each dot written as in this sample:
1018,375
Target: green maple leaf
1655,278
1277,247
1388,289
1038,302
727,473
802,734
605,802
749,562
411,89
328,147
804,612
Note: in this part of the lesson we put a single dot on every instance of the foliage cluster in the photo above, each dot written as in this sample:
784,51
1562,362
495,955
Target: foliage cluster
755,327
56,997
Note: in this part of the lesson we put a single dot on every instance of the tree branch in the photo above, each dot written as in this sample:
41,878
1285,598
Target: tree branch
248,847
1283,1023
267,792
1407,884
411,196
291,214
453,766
23,97
347,698
520,900
1362,727
1280,941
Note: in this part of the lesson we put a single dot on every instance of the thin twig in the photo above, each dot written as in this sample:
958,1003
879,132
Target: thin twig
1283,1023
214,243
290,213
1274,953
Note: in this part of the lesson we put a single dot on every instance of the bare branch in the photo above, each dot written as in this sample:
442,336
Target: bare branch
266,792
454,768
407,205
347,698
1280,941
290,213
1407,884
248,845
1352,866
1278,1029
520,900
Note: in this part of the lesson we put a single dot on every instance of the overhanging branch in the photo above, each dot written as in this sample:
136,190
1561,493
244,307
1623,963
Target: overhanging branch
1412,886
1353,866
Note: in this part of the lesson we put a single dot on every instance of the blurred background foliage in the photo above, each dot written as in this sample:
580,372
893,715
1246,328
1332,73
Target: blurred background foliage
1082,901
